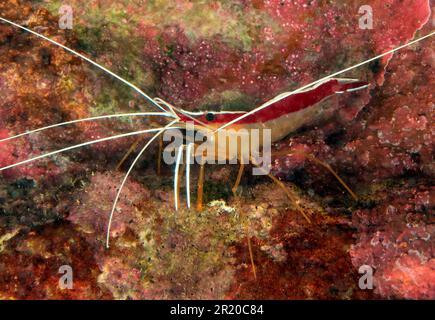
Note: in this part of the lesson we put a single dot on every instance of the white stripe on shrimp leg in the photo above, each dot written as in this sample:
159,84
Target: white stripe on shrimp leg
188,158
109,225
139,114
177,169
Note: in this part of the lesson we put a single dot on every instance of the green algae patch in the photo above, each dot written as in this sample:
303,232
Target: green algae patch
106,34
199,19
203,19
194,250
228,100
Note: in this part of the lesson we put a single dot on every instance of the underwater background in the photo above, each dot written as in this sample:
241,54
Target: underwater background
217,55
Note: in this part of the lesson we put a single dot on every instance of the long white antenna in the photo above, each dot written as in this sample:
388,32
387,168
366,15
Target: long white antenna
177,169
79,146
109,225
88,60
188,158
119,115
265,105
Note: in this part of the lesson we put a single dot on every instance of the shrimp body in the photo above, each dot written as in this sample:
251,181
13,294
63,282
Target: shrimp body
285,114
281,115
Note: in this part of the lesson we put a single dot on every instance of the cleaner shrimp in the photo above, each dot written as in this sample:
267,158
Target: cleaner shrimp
281,115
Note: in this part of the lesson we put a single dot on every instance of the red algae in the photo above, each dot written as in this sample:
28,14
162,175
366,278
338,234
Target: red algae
224,55
395,238
30,263
13,153
314,262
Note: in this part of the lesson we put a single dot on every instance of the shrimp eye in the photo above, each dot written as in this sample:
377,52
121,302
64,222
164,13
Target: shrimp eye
209,116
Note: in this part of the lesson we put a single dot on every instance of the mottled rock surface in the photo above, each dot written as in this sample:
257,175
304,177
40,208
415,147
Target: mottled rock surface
220,55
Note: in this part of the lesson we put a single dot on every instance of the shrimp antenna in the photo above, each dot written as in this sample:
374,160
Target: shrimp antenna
170,106
86,59
270,102
176,175
188,159
186,114
80,146
119,115
109,225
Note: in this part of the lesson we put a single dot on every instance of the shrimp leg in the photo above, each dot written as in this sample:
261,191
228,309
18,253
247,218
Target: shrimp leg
159,156
286,190
239,177
200,194
127,154
323,164
126,177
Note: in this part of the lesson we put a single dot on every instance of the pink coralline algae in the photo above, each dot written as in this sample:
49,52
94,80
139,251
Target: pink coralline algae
395,237
12,153
396,240
218,55
95,206
399,138
391,137
296,52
